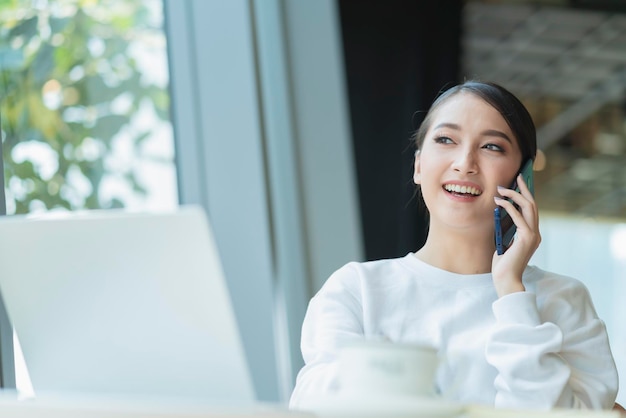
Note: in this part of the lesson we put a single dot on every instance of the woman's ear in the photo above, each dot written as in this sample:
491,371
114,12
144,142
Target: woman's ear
417,175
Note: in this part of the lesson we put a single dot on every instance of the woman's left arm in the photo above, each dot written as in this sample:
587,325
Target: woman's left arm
551,351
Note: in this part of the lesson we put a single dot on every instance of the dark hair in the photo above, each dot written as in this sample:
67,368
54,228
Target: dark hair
509,106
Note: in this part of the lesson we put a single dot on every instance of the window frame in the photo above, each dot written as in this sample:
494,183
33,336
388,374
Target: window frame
7,362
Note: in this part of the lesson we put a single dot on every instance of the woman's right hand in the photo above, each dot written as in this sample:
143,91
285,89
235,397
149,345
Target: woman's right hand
507,269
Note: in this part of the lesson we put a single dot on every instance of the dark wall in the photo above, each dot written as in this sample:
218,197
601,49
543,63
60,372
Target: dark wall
600,5
398,55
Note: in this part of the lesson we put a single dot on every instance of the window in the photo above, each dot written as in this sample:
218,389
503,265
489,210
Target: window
84,105
247,108
84,109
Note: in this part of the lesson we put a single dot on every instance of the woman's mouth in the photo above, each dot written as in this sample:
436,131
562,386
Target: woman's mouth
462,190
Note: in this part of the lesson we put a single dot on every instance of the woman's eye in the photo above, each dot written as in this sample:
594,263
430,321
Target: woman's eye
494,147
443,140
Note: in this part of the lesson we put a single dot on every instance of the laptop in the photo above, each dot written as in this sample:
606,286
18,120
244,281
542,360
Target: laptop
123,303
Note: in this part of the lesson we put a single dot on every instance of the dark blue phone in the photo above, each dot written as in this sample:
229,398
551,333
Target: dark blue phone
504,226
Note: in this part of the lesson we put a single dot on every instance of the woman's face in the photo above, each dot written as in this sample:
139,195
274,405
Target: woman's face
468,151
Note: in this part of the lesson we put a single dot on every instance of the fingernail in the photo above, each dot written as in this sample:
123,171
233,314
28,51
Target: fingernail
496,198
501,187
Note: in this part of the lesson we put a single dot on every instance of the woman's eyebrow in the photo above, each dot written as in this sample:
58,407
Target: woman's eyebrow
494,132
488,132
447,125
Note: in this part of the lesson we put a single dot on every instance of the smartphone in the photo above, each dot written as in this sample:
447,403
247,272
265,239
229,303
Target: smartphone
504,226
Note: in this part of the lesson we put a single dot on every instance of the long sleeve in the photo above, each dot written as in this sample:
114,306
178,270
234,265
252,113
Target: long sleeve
333,317
538,349
557,358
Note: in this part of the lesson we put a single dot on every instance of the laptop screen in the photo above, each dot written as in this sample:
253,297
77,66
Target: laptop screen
115,302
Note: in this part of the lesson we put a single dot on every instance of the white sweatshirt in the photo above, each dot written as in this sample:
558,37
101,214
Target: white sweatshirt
542,348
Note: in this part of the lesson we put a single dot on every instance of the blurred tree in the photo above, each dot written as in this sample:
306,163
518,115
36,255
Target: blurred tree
73,82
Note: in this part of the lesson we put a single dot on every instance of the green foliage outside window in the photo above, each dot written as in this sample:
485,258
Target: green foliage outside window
74,76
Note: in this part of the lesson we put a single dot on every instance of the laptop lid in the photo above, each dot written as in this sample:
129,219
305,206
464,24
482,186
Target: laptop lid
115,302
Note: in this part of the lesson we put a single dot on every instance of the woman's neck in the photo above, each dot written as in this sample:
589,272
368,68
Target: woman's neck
462,253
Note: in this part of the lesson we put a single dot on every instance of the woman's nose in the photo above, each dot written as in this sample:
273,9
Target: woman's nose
465,162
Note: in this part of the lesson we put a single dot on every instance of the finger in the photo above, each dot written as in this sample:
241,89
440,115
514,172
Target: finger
511,194
530,206
518,219
527,224
525,208
525,201
523,187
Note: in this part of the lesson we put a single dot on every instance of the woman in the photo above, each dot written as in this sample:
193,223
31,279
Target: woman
512,335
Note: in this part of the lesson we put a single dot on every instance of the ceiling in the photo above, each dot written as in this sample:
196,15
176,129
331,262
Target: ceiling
569,67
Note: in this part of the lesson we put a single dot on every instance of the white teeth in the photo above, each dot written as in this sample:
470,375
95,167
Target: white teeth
455,188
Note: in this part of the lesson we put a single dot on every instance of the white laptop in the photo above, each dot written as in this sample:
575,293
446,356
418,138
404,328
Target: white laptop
115,302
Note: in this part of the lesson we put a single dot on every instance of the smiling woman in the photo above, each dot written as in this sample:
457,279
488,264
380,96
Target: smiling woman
472,153
509,335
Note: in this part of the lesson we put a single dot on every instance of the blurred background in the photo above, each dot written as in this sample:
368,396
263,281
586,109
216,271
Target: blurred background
291,123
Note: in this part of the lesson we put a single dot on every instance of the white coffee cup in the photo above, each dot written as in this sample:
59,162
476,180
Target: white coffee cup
382,368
